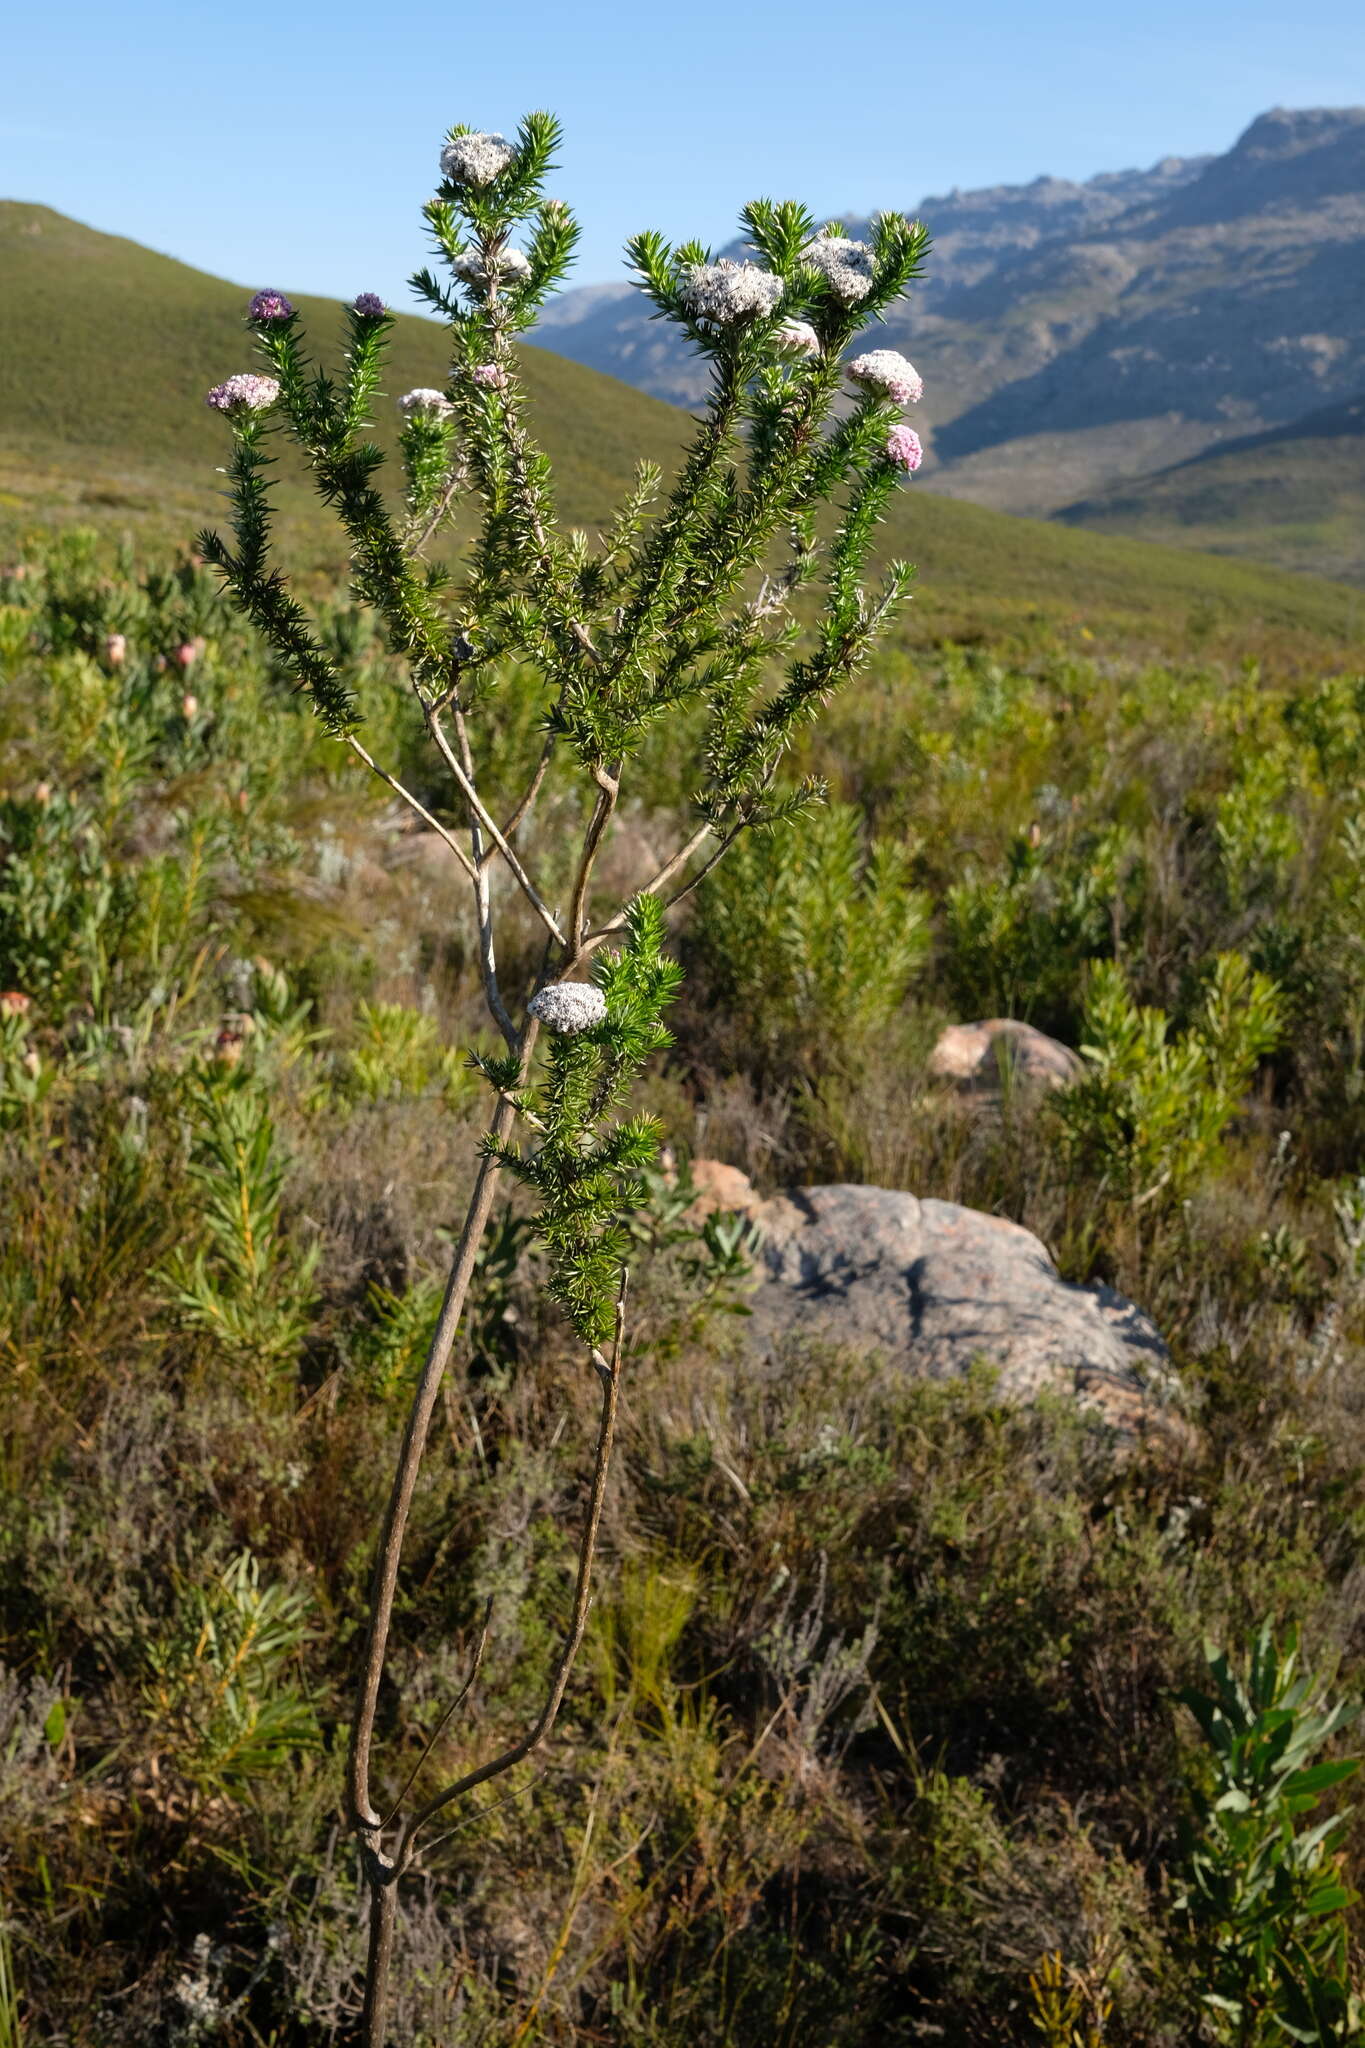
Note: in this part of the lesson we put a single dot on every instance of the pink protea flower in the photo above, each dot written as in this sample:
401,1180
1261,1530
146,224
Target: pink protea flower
369,305
798,336
115,649
490,376
882,369
267,309
244,393
904,449
14,1003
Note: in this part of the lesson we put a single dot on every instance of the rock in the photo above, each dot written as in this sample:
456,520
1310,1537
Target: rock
935,1287
720,1187
983,1057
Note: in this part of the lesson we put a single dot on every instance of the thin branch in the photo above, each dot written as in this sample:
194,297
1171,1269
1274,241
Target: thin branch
410,800
704,870
477,807
447,1717
608,791
483,903
390,1549
657,882
458,477
609,1373
532,789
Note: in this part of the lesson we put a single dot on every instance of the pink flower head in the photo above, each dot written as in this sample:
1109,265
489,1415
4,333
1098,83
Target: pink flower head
882,369
369,305
115,649
904,449
14,1003
490,376
268,309
244,393
798,336
186,654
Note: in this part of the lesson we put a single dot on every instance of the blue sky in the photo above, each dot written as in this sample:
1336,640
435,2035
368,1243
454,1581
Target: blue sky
291,144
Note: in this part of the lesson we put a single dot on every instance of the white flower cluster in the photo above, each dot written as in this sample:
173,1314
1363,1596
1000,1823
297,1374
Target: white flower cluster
429,404
511,265
245,392
847,267
729,291
476,159
569,1006
885,370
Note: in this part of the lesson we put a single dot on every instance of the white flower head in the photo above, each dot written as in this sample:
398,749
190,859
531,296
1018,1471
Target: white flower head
569,1006
476,159
729,291
883,369
426,403
509,266
798,336
847,267
245,392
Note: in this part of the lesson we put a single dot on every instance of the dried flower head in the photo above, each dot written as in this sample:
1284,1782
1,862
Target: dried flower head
569,1006
228,1046
476,159
728,291
510,265
14,1003
267,308
798,336
426,403
904,449
847,267
244,393
115,649
490,376
882,369
369,305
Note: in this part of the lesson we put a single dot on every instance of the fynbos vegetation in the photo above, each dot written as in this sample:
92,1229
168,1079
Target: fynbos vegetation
882,1710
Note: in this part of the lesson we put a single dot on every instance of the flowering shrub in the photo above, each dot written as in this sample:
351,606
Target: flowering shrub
658,626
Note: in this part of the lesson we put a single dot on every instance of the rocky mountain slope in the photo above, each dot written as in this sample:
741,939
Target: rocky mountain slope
1073,336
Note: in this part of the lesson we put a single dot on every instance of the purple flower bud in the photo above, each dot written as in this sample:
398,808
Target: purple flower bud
244,393
369,305
268,308
490,376
904,449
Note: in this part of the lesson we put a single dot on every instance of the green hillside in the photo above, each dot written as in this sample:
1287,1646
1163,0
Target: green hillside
1294,495
106,350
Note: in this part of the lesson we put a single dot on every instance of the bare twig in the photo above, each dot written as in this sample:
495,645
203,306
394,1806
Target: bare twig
657,882
410,800
609,1374
447,1717
532,789
479,811
608,790
364,1818
483,902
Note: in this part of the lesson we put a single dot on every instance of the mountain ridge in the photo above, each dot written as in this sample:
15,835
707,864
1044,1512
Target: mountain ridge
1077,336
